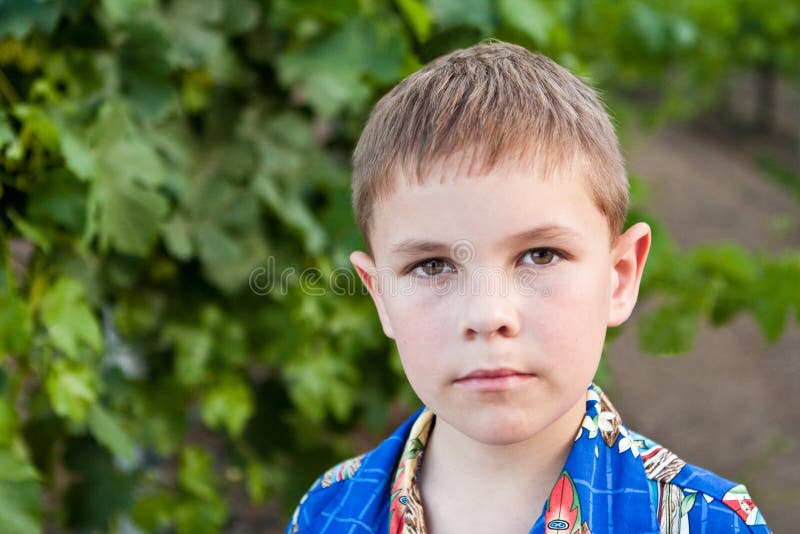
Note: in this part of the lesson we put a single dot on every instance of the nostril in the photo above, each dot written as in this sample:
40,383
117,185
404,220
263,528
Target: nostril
503,331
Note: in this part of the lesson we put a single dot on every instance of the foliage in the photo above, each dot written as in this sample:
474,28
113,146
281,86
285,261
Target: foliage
176,321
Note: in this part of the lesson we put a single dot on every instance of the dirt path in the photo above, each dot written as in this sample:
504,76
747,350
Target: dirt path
733,402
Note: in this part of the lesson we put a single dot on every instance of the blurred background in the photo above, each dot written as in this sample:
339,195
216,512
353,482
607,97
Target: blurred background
183,345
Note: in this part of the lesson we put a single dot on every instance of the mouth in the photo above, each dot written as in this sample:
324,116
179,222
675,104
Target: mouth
502,379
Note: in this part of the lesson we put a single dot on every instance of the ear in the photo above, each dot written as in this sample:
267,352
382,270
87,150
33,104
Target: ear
628,256
365,267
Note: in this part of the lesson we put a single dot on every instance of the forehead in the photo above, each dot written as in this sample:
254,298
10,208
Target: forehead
492,210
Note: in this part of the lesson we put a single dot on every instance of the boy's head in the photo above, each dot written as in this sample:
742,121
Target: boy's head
476,108
491,191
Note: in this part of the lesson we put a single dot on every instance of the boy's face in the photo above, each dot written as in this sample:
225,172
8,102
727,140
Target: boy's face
498,290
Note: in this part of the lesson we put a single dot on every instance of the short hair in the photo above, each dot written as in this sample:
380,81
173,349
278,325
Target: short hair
493,102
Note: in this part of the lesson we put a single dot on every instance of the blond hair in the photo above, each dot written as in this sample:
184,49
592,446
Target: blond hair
490,103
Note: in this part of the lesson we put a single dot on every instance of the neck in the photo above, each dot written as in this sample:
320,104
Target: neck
539,452
517,476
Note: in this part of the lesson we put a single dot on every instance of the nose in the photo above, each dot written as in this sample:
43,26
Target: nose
487,315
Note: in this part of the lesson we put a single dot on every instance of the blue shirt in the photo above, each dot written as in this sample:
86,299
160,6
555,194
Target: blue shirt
614,480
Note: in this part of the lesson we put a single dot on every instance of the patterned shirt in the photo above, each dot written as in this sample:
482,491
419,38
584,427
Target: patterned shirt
614,480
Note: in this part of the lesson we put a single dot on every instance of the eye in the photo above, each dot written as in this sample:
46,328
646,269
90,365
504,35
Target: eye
431,267
543,256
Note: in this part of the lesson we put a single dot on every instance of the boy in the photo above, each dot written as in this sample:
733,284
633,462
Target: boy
492,195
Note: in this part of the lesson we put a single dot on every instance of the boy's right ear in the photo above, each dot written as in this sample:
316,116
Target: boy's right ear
365,267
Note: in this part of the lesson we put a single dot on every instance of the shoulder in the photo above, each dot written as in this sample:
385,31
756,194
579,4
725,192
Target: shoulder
690,498
310,503
355,491
339,473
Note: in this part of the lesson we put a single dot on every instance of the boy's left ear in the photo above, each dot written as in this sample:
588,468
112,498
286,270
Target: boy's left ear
628,256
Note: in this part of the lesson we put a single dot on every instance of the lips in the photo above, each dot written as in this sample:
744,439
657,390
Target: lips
500,379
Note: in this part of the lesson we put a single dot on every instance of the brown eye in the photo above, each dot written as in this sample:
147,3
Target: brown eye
432,268
542,256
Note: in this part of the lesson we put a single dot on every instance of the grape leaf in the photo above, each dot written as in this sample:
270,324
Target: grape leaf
531,17
20,495
450,13
71,325
110,433
228,404
16,325
72,389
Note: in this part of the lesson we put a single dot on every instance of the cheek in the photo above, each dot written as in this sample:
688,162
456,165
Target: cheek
570,314
421,326
421,333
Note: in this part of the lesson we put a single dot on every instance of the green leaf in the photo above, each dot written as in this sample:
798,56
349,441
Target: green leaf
294,212
78,156
9,423
154,512
71,325
107,430
418,18
321,384
667,330
124,11
228,404
531,17
240,16
145,70
216,246
687,503
59,200
771,318
650,26
125,208
284,140
158,415
475,13
13,469
72,389
331,74
20,496
684,32
193,352
255,474
40,123
196,473
18,19
223,227
197,42
771,313
177,238
193,517
31,232
7,134
134,160
730,261
126,216
124,152
16,325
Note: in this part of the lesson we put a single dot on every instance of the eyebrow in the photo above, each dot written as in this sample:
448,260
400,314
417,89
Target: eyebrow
412,247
